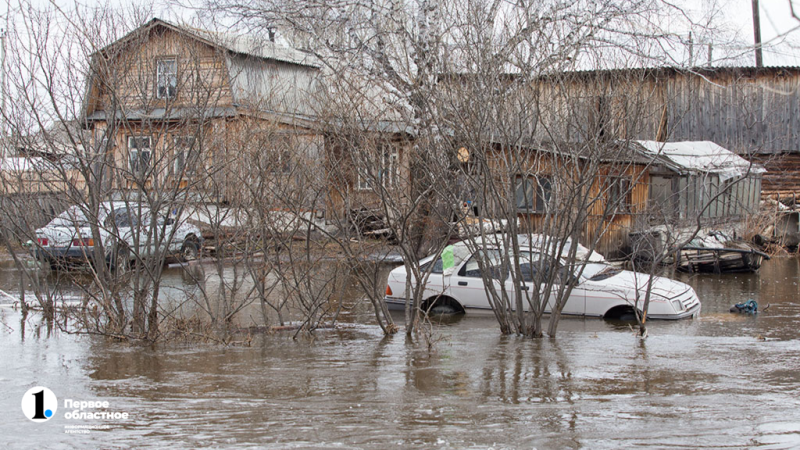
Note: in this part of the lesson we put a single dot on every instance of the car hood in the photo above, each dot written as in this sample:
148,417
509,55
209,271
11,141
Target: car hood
631,281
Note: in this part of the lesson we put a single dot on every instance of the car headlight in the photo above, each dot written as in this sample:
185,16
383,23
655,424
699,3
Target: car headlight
678,305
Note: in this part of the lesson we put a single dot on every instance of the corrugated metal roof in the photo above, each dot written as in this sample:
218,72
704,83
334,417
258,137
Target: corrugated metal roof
675,69
700,156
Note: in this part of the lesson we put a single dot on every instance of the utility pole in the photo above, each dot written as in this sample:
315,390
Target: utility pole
757,34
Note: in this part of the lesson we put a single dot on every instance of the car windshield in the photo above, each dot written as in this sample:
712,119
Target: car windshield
597,271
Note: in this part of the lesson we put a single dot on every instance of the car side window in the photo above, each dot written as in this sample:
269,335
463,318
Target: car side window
492,258
530,265
471,269
530,270
121,218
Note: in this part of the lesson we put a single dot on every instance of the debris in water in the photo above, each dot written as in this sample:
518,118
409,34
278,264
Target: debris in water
748,307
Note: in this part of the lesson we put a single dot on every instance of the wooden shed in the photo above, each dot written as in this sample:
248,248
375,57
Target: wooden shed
699,179
748,110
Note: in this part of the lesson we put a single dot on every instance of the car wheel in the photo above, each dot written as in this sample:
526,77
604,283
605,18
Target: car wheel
443,306
621,313
190,250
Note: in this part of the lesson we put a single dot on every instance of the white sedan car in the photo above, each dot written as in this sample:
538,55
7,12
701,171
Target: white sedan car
456,284
124,231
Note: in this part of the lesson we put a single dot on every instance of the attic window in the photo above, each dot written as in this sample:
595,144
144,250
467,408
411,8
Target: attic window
166,78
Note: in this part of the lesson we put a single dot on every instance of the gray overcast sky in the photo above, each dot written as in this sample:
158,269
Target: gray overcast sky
780,31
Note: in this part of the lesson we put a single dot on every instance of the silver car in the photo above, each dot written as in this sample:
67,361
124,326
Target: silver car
124,231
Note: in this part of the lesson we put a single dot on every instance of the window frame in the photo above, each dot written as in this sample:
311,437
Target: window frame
538,201
136,152
492,262
185,154
617,185
166,80
389,169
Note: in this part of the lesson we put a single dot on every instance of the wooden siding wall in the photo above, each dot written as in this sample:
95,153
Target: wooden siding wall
750,112
128,76
231,153
273,85
744,110
342,175
615,227
782,179
686,197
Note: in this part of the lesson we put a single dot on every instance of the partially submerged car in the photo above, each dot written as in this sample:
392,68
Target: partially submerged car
456,282
124,232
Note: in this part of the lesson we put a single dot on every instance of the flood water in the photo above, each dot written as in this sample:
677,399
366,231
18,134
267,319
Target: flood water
720,381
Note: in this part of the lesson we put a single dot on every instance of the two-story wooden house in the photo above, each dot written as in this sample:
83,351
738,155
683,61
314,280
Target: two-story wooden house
177,108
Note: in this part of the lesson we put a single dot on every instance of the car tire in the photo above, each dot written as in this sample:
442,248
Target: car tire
443,306
190,250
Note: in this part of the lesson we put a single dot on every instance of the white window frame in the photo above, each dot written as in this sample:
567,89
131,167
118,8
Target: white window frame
388,172
166,78
136,154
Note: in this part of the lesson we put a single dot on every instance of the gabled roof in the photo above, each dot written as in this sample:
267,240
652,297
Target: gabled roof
240,44
263,77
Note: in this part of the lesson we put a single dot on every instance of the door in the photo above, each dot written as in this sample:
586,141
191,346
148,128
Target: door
536,270
466,285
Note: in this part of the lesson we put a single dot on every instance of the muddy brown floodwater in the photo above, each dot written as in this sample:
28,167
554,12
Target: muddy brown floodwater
720,381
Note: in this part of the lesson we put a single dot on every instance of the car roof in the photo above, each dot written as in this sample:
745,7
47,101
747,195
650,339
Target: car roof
532,242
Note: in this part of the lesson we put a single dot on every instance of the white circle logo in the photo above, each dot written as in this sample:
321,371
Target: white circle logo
39,404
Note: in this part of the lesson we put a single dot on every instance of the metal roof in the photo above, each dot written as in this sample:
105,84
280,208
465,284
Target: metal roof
699,156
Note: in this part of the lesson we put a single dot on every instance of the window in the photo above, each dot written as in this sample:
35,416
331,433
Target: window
491,261
387,172
619,194
122,218
186,153
139,154
166,78
281,162
533,265
534,193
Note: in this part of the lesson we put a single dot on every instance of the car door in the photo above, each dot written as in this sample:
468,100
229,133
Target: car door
531,263
466,284
576,303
